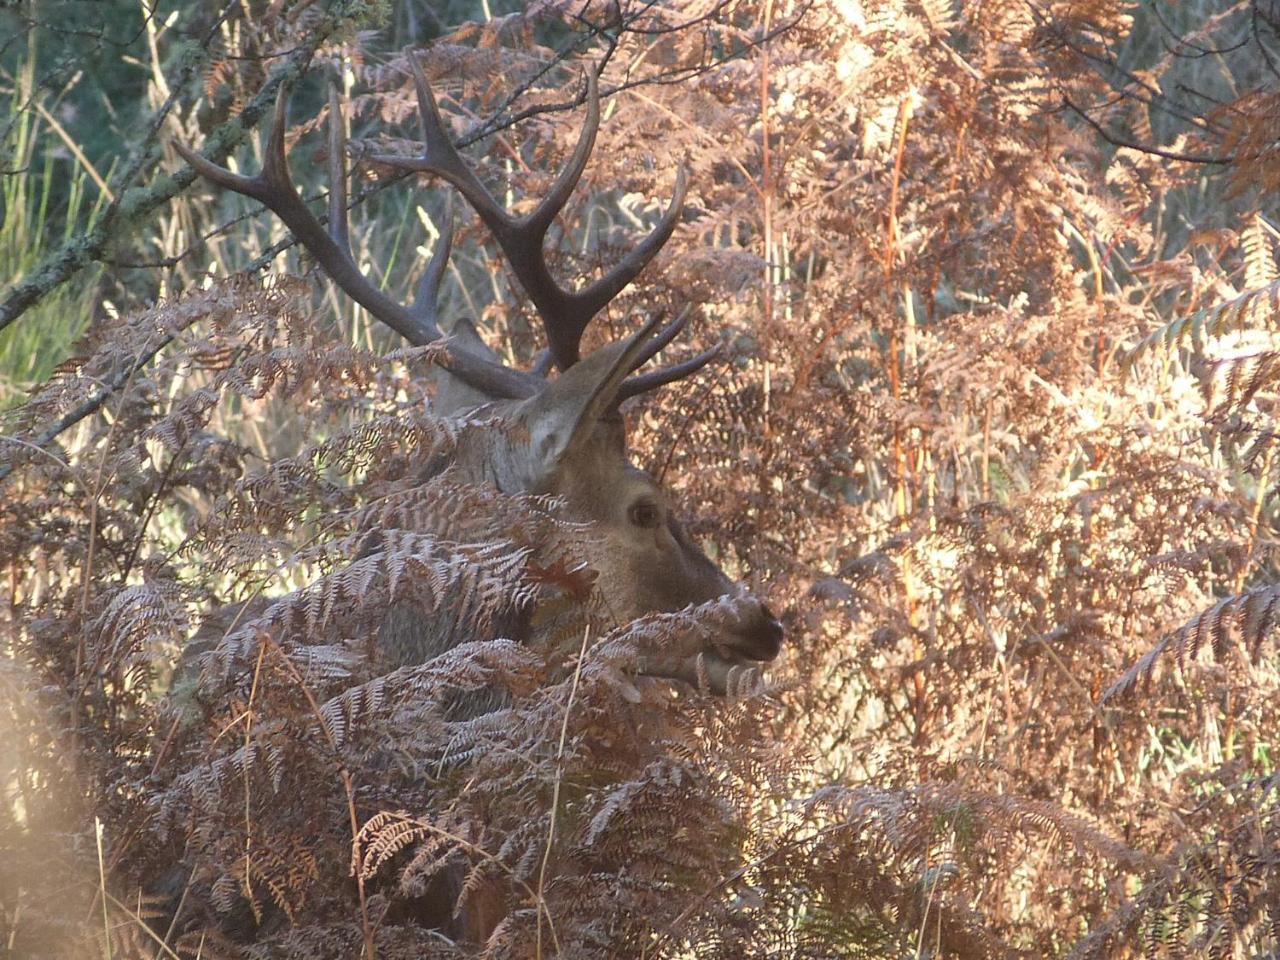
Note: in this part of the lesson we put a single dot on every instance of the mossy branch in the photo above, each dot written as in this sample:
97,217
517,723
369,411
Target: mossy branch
132,204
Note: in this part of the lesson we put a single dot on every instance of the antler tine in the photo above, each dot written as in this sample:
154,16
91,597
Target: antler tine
590,299
539,221
663,337
645,382
275,167
426,303
439,156
565,314
273,187
572,312
677,371
253,187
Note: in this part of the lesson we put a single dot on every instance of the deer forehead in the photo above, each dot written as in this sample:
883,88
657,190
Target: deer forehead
601,488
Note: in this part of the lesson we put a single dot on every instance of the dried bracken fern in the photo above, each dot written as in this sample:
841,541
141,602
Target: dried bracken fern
1243,620
925,273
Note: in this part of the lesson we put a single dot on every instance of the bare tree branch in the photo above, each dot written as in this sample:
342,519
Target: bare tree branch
1118,141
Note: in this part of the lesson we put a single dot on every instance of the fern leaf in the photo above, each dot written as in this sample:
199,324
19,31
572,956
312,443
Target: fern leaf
1213,321
1253,614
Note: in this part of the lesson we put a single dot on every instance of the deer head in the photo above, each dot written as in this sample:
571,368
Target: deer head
569,435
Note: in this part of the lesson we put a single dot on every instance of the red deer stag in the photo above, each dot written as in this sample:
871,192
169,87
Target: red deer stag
568,439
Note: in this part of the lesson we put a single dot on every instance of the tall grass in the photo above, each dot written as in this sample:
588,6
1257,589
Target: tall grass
45,199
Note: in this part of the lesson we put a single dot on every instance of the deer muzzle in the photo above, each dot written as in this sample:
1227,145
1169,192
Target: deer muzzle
761,637
744,635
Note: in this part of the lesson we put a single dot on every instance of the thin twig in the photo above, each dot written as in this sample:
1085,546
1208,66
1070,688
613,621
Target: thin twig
1118,141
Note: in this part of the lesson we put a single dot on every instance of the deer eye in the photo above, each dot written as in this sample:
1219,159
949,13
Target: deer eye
645,513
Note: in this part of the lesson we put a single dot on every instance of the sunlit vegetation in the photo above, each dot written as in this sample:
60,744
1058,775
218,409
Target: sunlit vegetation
991,427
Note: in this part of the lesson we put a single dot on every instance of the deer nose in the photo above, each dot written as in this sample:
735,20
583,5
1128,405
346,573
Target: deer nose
763,636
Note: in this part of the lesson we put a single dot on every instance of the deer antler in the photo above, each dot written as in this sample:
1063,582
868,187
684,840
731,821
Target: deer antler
273,187
676,371
564,314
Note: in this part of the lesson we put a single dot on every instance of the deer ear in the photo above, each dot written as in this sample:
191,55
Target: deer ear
563,417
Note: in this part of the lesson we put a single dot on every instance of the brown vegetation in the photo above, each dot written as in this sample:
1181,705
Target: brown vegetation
991,429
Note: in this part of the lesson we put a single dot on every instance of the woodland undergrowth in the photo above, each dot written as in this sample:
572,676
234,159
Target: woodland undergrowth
992,429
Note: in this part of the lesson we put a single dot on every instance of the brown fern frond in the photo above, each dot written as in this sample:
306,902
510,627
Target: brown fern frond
1244,619
1234,314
